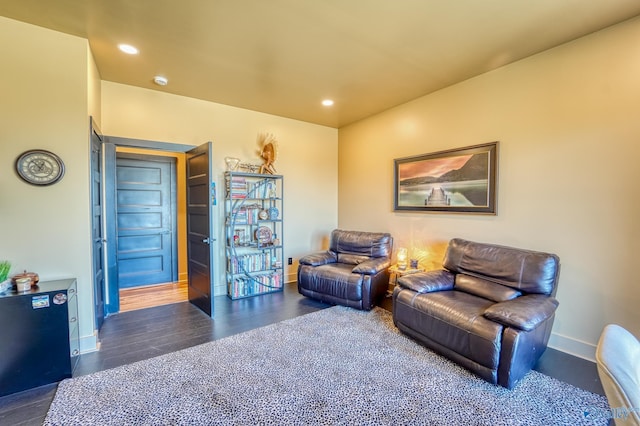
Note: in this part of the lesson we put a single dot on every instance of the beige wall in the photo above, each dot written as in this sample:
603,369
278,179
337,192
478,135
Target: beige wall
568,126
307,156
94,90
44,104
50,85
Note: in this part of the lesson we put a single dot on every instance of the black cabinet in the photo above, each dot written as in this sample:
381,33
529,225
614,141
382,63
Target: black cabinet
39,338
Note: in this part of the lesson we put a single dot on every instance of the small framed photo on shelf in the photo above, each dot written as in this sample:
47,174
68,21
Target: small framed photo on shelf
271,191
239,236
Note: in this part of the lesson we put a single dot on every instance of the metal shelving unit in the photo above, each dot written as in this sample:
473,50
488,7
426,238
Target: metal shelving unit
253,232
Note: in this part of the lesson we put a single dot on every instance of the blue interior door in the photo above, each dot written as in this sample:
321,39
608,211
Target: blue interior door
145,199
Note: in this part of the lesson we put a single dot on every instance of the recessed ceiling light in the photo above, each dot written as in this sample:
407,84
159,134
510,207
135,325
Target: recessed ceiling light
127,48
160,81
327,102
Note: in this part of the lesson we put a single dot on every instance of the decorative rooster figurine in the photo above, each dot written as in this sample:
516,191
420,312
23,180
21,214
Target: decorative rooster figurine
268,153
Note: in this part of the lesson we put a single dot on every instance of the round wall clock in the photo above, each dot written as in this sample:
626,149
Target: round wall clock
40,167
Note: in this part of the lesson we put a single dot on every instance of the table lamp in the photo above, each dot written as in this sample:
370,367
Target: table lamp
402,258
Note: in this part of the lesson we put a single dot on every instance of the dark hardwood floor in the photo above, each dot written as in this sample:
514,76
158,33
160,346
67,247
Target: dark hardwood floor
142,334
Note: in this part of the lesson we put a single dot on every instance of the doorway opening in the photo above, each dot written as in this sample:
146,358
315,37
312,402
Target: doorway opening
187,241
151,228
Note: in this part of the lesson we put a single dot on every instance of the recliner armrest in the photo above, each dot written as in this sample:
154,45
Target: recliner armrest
372,266
524,313
317,259
428,282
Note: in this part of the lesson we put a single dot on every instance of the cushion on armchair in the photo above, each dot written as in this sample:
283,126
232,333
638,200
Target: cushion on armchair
368,244
524,313
525,270
427,282
372,266
484,288
317,259
352,259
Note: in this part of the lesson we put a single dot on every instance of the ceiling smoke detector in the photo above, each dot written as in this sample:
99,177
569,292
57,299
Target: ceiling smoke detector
160,81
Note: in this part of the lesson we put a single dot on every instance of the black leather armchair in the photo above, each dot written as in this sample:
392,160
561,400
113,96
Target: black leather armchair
490,310
353,272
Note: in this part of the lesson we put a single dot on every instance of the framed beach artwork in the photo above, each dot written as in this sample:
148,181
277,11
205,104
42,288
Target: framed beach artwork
458,180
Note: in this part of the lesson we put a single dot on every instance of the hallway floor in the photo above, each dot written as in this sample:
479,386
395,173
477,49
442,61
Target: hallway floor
135,298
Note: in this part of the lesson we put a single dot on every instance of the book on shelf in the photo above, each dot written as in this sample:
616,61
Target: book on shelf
254,262
237,187
240,188
249,286
245,215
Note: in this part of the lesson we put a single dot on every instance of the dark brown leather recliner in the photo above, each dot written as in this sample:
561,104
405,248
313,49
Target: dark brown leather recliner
490,310
353,272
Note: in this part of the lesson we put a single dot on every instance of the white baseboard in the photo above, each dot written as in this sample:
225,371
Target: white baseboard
89,343
289,278
573,346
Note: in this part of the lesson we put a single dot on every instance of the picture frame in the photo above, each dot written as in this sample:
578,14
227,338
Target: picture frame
461,180
239,236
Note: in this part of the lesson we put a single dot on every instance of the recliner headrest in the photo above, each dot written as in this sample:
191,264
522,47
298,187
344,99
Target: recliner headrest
372,244
528,271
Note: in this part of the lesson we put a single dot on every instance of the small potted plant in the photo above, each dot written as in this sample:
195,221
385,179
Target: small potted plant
5,282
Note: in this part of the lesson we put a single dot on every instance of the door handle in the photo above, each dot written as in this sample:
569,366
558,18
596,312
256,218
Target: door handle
208,240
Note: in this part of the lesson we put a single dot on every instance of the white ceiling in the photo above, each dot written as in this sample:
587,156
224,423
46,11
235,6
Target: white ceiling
284,56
